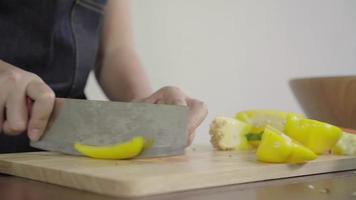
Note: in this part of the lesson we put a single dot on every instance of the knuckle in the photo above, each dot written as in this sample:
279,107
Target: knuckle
179,101
176,99
35,78
172,88
12,76
202,105
15,128
46,94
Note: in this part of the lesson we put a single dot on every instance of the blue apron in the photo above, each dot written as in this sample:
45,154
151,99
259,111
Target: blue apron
55,39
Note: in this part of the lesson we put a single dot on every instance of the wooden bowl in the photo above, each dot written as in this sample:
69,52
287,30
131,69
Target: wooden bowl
328,99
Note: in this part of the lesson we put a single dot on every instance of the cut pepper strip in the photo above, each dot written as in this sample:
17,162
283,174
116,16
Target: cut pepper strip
318,136
276,147
123,150
229,134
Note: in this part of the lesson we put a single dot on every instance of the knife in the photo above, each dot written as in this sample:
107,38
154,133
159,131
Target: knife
103,123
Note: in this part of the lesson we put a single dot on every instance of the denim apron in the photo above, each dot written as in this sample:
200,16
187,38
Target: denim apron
55,39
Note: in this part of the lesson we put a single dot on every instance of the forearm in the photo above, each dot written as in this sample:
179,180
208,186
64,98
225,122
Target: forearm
122,77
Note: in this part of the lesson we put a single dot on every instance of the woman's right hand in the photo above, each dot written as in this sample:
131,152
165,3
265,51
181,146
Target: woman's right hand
17,113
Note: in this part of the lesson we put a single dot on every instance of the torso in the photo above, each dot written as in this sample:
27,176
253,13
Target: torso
55,39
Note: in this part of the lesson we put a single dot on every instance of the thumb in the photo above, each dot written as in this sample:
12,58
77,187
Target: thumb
153,99
197,113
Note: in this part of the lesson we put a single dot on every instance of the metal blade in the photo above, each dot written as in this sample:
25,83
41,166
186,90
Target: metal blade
103,123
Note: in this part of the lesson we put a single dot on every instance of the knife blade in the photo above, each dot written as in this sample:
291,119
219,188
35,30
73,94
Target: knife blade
103,123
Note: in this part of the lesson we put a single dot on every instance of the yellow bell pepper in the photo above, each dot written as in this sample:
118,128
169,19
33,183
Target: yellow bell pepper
318,136
229,134
276,147
346,145
259,119
125,150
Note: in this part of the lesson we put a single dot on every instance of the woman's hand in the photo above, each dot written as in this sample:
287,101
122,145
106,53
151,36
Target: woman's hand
121,75
26,102
174,96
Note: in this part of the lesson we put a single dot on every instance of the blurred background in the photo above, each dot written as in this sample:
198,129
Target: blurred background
239,54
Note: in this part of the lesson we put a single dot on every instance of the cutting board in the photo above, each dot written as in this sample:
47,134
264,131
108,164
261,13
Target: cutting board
201,167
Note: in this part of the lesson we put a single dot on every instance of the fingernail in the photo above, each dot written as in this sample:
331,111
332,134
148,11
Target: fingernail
34,134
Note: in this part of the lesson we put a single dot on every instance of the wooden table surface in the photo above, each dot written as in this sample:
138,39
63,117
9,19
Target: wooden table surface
339,185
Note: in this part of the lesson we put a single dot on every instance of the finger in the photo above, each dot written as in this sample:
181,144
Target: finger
161,101
2,105
153,99
43,101
29,104
16,113
191,138
178,101
2,114
197,113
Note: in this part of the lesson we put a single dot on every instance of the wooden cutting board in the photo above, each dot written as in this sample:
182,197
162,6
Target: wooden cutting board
201,167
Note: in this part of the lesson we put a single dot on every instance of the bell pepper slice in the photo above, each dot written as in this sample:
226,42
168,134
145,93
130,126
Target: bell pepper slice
346,145
276,147
124,150
229,134
318,136
259,119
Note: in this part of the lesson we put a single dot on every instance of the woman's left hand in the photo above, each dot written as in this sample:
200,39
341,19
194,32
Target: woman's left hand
174,96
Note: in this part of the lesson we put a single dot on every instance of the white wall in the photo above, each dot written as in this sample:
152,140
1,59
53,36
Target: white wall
239,54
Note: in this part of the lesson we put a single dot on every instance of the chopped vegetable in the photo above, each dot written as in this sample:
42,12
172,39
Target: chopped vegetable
254,136
280,137
259,119
229,134
346,145
123,150
276,147
318,136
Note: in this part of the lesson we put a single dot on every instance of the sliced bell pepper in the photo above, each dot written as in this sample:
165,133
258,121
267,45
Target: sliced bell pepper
346,145
259,119
229,134
276,147
318,136
124,150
